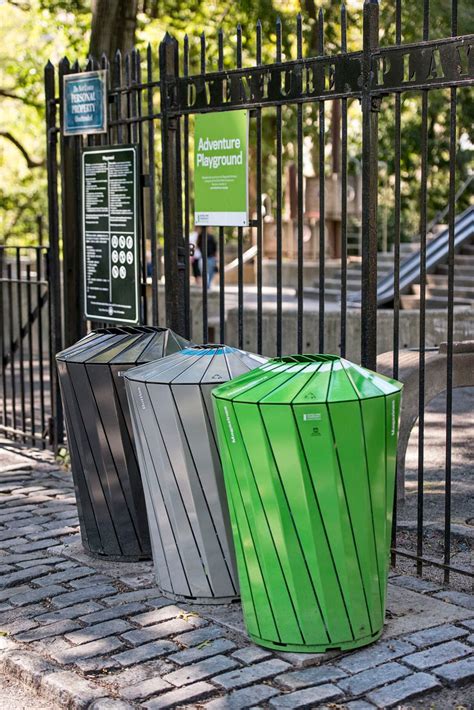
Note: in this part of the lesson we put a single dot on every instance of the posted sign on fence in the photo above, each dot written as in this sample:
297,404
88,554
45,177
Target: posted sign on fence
110,234
221,169
85,103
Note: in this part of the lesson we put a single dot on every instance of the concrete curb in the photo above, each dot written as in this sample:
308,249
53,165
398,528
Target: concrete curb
65,689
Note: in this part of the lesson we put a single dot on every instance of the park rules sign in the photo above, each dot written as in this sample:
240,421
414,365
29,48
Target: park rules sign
111,232
85,103
221,169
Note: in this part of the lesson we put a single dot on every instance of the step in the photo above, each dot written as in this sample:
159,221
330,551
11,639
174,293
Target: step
462,293
442,279
461,269
412,302
464,259
336,283
466,292
330,294
467,249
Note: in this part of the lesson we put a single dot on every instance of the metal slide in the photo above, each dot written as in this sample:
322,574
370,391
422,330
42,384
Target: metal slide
437,251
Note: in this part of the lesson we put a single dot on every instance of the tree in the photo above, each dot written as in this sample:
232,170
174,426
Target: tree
113,27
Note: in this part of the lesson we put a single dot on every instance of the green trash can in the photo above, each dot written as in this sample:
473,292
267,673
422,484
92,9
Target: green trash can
308,447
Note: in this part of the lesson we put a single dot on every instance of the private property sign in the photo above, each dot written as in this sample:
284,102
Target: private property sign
85,103
221,169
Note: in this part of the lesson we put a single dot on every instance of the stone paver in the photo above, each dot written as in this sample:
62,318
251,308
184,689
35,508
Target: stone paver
145,652
102,636
445,652
251,654
181,695
80,595
437,634
199,636
71,654
57,628
36,595
70,612
374,655
251,674
201,670
360,683
146,688
156,632
457,673
98,631
243,698
309,676
459,598
402,690
202,651
307,698
97,617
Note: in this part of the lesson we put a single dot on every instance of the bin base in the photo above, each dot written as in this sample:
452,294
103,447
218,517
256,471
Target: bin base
198,600
317,648
116,558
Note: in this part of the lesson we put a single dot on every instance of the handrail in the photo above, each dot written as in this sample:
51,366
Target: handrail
437,251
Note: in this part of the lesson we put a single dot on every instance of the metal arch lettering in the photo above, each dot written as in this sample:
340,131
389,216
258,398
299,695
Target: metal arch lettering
302,80
431,64
435,64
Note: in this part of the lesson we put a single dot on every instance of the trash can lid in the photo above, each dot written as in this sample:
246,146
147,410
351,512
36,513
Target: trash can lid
124,345
197,364
303,379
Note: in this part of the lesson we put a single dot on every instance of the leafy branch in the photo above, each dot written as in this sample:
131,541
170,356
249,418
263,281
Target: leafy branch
31,162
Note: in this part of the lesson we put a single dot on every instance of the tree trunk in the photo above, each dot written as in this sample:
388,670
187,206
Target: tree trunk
113,27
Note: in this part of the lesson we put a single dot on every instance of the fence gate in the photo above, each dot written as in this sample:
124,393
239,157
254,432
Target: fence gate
29,396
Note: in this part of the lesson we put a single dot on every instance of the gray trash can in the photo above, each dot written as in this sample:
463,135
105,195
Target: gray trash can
107,481
173,421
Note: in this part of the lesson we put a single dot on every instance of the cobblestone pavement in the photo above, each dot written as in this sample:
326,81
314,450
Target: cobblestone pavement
92,634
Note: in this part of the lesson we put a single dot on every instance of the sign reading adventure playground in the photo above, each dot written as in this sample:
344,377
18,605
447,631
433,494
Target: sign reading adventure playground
111,234
85,103
221,169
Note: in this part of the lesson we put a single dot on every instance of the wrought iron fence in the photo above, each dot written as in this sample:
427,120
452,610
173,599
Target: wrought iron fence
152,101
28,380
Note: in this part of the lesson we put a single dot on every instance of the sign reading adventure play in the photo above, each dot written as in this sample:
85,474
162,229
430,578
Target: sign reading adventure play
85,103
110,233
221,169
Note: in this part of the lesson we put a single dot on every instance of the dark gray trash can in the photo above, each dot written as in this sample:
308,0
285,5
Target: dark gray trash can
107,481
173,421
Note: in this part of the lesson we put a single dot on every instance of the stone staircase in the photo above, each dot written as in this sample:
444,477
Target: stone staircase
437,283
332,288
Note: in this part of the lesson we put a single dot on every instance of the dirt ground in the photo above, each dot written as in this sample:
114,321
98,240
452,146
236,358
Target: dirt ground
14,695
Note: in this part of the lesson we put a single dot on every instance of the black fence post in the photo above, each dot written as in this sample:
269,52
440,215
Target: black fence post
370,109
74,323
174,242
56,330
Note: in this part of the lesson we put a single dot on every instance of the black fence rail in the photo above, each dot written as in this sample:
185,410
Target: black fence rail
336,105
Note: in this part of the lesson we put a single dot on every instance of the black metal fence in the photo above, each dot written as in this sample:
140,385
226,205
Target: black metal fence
28,380
153,100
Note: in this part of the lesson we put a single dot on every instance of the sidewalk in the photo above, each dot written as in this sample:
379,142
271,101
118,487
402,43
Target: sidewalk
94,634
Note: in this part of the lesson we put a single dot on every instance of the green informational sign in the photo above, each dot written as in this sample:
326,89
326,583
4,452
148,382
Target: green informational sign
110,233
221,169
